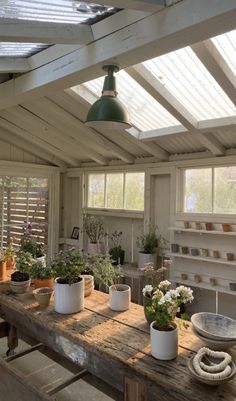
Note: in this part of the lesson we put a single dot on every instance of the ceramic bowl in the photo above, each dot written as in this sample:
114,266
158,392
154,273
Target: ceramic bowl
214,326
215,345
209,381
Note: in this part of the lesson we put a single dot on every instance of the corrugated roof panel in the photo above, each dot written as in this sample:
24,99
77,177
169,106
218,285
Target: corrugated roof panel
180,143
227,137
183,74
145,112
67,11
226,44
20,49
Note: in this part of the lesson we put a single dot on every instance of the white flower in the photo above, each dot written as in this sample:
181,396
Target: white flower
164,285
147,289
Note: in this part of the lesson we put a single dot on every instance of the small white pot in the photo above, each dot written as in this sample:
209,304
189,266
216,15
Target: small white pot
69,298
42,259
164,344
19,287
144,258
119,297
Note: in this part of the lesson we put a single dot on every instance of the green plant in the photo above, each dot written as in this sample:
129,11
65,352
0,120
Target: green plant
24,261
116,237
103,270
29,243
94,228
40,250
39,272
165,303
2,257
9,252
68,265
151,241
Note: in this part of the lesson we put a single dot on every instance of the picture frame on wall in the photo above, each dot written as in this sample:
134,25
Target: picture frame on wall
75,233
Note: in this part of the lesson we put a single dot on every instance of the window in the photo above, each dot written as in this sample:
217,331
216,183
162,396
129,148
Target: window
23,199
124,191
210,190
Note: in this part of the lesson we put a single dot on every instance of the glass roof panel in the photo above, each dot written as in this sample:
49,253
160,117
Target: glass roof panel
67,11
145,112
226,44
20,49
183,74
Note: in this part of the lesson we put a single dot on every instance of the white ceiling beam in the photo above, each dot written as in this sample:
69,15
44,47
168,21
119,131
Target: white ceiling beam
217,66
61,119
159,92
28,147
211,143
38,143
216,123
141,5
14,65
184,24
151,135
26,120
25,31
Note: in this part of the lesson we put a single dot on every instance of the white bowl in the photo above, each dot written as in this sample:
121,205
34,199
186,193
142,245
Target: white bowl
211,382
214,326
216,345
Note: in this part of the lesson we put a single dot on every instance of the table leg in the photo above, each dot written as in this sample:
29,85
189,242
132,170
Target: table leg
12,340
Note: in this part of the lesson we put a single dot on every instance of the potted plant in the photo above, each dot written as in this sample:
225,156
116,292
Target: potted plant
29,243
69,286
106,274
165,305
20,279
149,244
10,257
94,228
41,275
43,296
3,266
116,252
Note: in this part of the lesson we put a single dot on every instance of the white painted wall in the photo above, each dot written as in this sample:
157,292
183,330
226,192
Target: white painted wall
13,153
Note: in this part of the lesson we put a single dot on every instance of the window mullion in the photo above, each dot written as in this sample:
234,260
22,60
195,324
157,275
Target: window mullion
213,190
2,216
105,191
27,201
124,192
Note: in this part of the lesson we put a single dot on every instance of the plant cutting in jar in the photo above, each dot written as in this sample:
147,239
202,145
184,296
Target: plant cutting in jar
116,252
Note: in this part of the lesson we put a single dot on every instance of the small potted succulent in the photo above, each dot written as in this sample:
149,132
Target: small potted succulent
3,266
69,286
41,275
20,279
94,228
10,257
150,244
116,252
107,275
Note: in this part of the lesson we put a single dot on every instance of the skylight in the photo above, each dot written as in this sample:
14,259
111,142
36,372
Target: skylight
20,49
67,11
226,44
145,112
183,74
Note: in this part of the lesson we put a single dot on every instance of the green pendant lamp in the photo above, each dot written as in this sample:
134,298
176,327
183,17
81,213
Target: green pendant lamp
108,112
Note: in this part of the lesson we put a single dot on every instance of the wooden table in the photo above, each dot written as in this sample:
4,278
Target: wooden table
113,346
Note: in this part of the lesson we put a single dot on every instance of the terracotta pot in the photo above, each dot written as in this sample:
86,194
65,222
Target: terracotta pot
205,252
185,250
11,263
164,344
213,281
216,254
230,257
43,296
197,278
186,224
198,226
209,226
46,282
3,271
184,276
226,227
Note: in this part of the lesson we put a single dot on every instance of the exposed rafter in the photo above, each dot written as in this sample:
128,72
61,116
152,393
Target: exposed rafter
19,30
185,23
37,143
211,143
217,66
142,5
13,65
162,95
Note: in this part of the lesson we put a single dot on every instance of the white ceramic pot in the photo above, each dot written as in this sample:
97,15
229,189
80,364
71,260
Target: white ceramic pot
42,259
164,344
119,297
144,258
69,298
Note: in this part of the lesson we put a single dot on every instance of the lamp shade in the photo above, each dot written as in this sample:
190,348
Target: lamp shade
108,112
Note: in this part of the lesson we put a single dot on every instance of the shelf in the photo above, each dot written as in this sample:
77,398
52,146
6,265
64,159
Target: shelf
68,241
204,259
192,230
205,286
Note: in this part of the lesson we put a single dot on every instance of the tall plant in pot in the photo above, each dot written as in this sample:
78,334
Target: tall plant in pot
69,286
10,256
20,279
107,275
3,266
30,244
93,226
164,330
150,244
116,252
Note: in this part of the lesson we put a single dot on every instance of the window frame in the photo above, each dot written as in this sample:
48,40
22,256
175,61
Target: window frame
214,216
109,211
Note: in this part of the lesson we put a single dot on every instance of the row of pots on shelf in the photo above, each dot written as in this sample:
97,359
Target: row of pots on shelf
207,226
175,248
212,280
